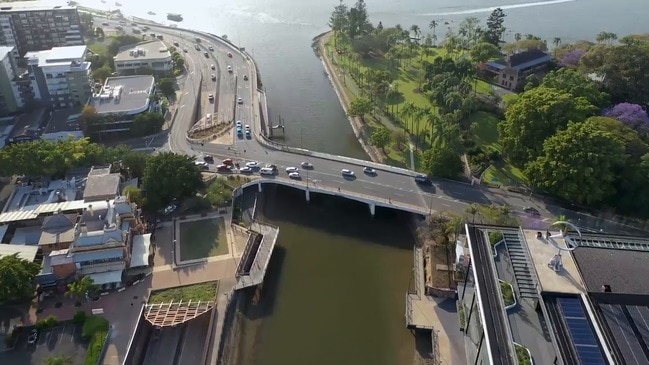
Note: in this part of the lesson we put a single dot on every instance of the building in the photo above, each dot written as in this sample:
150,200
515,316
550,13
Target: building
61,76
152,54
63,124
34,25
8,69
123,98
101,185
28,127
576,298
511,71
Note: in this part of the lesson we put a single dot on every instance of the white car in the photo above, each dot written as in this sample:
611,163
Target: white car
252,164
247,127
245,170
291,169
347,172
213,67
238,123
294,175
169,209
239,101
229,69
202,164
307,165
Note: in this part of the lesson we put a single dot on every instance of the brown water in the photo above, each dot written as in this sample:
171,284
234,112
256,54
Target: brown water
335,292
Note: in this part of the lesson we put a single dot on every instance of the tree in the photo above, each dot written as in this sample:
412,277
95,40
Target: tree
470,31
484,51
442,162
17,278
380,138
58,360
633,115
102,73
147,123
121,41
167,87
577,84
556,42
536,115
578,164
495,28
472,210
134,163
360,107
169,176
399,138
218,192
99,32
81,288
358,22
433,26
338,21
571,58
134,195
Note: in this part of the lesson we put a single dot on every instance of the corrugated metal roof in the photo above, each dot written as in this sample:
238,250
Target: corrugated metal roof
31,212
140,255
25,252
98,255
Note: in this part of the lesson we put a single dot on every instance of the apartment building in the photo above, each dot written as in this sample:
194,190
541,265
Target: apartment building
36,25
60,76
8,68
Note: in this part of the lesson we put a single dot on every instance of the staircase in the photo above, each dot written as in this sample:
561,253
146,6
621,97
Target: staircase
519,261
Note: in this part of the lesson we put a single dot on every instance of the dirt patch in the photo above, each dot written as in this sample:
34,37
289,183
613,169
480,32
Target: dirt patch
224,138
436,255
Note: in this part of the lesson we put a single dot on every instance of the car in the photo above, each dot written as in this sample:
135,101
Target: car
239,131
205,54
185,50
33,336
252,164
152,35
267,171
532,211
245,77
369,171
423,180
210,48
306,165
119,27
294,175
247,127
271,166
202,164
223,168
197,47
213,77
213,67
229,54
228,162
210,97
169,209
245,170
176,44
105,24
248,135
239,101
208,158
291,169
347,172
229,69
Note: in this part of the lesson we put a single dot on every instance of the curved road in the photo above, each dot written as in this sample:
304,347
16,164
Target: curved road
390,183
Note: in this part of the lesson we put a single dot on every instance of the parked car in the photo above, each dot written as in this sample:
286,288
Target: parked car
532,211
169,209
202,165
208,158
245,170
213,77
239,101
210,48
223,168
245,77
229,54
213,67
267,171
423,180
271,166
176,44
248,135
210,97
33,336
252,164
229,69
228,162
238,123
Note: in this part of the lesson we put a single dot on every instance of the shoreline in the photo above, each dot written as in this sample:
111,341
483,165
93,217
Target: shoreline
332,74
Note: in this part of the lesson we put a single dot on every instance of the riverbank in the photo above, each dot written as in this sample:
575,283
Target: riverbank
334,75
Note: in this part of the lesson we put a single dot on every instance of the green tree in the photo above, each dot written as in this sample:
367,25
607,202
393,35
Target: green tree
134,195
134,163
167,87
360,107
578,164
495,28
399,138
433,26
17,278
472,210
218,192
58,360
99,32
338,21
168,176
536,115
380,138
484,51
442,162
121,41
577,84
358,21
102,73
81,288
147,123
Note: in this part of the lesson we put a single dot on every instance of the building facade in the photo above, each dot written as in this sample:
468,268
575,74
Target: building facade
34,26
512,71
8,104
153,55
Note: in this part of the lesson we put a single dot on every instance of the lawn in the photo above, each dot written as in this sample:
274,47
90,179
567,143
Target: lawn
195,292
504,174
485,129
202,238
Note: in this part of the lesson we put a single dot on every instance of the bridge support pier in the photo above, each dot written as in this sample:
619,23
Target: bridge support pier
259,186
308,195
372,208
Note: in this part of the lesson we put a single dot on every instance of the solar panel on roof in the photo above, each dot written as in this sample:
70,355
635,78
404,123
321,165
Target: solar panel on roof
583,338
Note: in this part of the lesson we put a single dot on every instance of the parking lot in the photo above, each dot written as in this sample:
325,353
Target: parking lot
64,339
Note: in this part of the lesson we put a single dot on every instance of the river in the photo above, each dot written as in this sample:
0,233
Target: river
278,34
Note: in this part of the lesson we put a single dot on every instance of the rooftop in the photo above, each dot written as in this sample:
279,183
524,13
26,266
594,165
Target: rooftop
522,60
24,252
125,94
620,269
29,125
26,236
33,6
101,185
58,228
73,56
64,120
6,49
146,50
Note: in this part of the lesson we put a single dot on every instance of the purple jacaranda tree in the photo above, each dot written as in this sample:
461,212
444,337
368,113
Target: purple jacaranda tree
633,115
571,58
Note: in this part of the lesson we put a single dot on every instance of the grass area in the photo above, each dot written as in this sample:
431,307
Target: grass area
504,174
95,328
202,238
485,129
195,292
523,355
508,292
508,99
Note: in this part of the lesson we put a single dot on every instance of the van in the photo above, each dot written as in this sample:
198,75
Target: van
266,171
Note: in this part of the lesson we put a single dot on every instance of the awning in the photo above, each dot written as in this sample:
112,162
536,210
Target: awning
140,254
107,277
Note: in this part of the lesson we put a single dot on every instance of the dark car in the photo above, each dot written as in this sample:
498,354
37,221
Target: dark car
33,336
423,180
228,162
223,168
208,158
532,211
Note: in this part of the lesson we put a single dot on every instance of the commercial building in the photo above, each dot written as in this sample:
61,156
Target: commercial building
152,54
36,25
61,76
63,124
8,69
123,98
555,297
511,72
28,127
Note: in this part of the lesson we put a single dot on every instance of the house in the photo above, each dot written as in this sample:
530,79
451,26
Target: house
511,71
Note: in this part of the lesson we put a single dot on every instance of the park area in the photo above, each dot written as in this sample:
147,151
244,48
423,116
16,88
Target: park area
202,238
202,292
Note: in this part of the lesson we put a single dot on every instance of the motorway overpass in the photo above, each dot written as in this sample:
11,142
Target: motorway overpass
390,183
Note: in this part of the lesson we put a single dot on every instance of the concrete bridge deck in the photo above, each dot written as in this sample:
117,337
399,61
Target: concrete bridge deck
260,257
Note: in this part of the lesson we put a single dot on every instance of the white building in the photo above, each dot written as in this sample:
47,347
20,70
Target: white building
152,54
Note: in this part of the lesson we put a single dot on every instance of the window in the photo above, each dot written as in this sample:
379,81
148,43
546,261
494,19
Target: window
511,78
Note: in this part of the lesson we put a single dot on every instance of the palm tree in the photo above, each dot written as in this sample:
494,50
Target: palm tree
433,25
58,360
417,32
518,37
81,288
556,41
407,112
472,210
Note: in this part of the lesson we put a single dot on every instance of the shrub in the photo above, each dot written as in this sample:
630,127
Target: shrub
94,324
48,322
495,237
507,292
79,317
96,347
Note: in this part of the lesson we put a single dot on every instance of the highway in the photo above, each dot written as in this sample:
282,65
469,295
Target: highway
389,183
